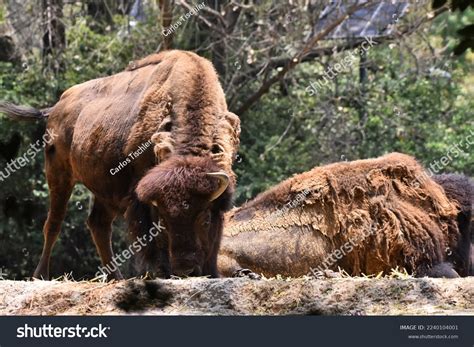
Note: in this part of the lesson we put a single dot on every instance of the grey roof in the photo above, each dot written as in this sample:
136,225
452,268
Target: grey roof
376,20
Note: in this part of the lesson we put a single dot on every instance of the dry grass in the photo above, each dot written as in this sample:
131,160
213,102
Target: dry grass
395,294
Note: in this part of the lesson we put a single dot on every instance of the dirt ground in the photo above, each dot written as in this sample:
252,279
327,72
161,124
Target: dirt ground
241,296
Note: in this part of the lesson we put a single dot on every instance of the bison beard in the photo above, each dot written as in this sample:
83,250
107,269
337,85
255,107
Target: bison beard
366,216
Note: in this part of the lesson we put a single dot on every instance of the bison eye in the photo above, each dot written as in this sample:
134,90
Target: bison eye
154,203
216,149
168,126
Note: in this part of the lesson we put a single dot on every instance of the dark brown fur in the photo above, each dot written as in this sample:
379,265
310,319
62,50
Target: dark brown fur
460,189
391,219
193,224
173,95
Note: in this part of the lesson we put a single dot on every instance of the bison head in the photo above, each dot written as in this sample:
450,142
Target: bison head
190,194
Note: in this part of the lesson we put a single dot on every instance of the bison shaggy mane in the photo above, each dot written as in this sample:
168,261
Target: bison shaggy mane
388,209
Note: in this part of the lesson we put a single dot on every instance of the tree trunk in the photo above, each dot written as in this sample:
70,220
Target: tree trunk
166,10
218,47
54,33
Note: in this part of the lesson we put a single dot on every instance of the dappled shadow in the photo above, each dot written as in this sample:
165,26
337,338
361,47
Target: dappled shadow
139,296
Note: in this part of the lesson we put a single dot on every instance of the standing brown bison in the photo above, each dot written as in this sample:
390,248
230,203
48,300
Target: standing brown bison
366,217
104,130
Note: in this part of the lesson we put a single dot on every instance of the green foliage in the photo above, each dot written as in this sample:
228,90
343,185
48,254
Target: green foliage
24,194
420,110
465,31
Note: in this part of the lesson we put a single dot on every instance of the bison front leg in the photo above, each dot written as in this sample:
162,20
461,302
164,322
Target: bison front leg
100,224
210,267
164,267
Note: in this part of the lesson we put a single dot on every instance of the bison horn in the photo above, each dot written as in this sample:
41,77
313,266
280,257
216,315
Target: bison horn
223,184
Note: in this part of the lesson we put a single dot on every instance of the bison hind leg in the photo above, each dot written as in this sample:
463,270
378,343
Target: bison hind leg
61,184
100,225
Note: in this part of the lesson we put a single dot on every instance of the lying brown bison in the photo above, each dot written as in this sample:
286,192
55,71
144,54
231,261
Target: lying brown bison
105,128
366,217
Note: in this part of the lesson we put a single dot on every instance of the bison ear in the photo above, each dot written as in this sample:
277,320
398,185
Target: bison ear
163,145
234,120
162,152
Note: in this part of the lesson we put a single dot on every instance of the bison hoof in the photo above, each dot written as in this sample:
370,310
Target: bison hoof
246,273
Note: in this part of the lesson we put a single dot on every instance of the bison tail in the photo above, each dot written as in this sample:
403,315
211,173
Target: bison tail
23,112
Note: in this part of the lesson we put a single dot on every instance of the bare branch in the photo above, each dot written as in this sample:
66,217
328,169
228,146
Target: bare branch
314,54
308,53
187,6
297,58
